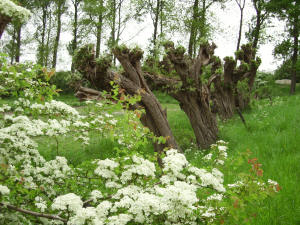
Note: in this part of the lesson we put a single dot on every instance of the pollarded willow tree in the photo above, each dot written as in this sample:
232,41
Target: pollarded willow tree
203,87
231,86
98,72
190,91
9,11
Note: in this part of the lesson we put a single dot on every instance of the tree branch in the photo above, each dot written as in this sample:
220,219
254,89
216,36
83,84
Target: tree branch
28,212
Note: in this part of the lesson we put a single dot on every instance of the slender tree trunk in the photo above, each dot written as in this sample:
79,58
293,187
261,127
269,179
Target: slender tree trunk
161,16
12,55
47,48
75,30
18,42
119,22
257,26
156,19
41,59
4,20
295,54
241,6
58,31
193,31
99,35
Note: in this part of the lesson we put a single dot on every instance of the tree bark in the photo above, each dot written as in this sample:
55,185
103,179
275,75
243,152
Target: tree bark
4,20
99,34
194,96
75,30
258,23
241,6
41,59
156,19
133,82
18,39
193,31
58,31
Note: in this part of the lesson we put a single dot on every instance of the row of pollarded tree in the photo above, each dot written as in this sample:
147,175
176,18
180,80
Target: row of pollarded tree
220,92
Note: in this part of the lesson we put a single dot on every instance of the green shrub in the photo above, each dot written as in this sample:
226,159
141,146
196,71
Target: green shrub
66,81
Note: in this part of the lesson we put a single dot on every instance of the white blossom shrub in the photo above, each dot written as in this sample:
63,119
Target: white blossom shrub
14,11
128,189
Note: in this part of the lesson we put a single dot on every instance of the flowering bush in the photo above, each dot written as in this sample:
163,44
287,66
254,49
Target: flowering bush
128,189
14,11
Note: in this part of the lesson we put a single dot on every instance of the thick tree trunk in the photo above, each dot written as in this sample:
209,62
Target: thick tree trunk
4,20
194,96
133,82
202,120
295,55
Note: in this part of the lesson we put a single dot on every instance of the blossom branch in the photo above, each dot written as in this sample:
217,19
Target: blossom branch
25,211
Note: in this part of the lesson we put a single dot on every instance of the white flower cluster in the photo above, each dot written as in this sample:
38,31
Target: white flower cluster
14,11
4,190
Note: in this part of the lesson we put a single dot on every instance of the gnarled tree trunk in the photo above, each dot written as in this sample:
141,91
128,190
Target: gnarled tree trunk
192,94
132,81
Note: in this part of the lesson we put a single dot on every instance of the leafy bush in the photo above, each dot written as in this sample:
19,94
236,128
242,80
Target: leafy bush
66,81
263,85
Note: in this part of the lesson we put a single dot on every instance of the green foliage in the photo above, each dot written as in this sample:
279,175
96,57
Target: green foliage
285,70
66,81
25,80
263,85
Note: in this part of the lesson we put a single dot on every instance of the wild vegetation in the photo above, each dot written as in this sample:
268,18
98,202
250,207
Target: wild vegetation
179,138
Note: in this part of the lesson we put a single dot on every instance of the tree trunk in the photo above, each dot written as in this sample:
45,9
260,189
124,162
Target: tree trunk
295,54
4,20
133,82
194,96
193,31
58,31
18,46
75,30
241,6
202,120
257,26
41,58
156,19
99,34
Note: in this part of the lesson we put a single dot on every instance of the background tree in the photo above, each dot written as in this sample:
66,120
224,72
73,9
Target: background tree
75,24
44,24
289,10
198,26
160,12
60,8
241,4
95,13
258,24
